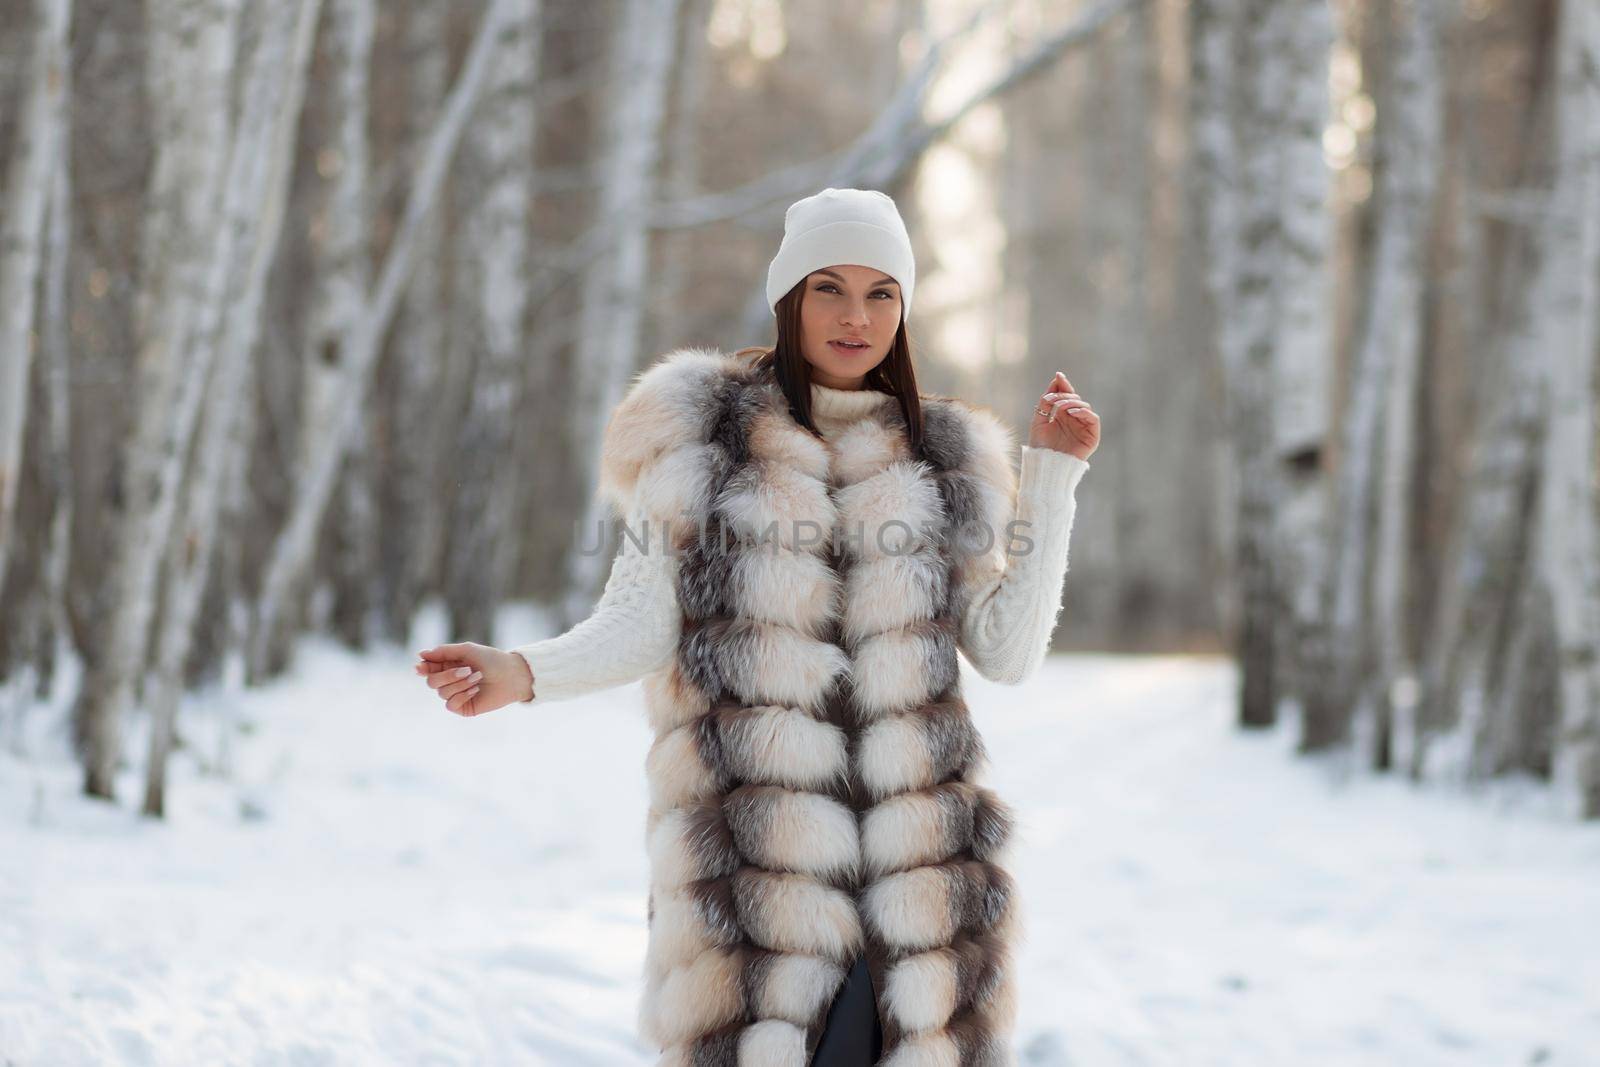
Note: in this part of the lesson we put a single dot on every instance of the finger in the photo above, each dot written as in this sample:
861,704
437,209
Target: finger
1066,383
461,703
425,666
448,677
440,653
462,686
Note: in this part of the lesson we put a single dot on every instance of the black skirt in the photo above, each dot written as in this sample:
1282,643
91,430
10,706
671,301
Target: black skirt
851,1037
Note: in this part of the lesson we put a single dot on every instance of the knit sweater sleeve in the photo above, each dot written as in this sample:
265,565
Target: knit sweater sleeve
632,631
1007,623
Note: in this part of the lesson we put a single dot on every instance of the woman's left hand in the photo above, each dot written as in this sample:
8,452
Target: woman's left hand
1064,421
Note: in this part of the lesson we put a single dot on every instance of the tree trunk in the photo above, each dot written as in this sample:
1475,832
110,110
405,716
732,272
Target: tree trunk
191,52
256,192
1476,629
614,285
1568,317
483,548
1304,374
1366,577
1213,202
1489,557
57,352
411,535
332,434
1252,303
40,140
344,270
682,169
1410,169
1257,106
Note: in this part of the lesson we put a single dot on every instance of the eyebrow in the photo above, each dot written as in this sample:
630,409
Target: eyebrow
885,280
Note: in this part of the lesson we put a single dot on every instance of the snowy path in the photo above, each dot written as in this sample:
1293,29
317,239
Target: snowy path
385,883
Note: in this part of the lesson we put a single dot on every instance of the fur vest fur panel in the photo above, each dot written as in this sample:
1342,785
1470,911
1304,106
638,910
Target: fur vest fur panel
815,779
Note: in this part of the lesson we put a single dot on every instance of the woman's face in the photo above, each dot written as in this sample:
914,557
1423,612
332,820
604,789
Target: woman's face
842,303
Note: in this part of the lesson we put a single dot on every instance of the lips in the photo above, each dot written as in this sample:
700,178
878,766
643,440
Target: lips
843,345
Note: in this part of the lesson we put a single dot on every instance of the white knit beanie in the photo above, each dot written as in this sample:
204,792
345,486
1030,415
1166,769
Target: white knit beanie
835,226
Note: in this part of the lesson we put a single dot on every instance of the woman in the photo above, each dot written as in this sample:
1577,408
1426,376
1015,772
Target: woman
808,541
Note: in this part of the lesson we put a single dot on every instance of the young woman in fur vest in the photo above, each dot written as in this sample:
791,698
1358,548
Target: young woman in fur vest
808,540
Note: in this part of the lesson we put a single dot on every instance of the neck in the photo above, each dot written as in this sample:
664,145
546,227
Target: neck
822,377
845,404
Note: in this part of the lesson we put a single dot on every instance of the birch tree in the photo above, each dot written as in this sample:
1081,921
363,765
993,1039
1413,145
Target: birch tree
411,536
684,163
1214,159
191,49
39,143
259,168
1568,340
53,623
332,436
1367,575
1303,372
1251,302
1489,559
613,293
1258,104
1484,615
483,546
343,270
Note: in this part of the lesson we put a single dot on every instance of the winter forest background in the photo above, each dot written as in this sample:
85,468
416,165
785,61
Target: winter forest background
311,313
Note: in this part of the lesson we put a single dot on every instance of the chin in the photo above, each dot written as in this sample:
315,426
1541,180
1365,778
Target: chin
834,365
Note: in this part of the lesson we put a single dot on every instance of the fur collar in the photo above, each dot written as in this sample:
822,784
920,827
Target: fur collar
670,406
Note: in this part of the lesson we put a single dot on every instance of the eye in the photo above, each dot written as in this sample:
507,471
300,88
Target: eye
824,286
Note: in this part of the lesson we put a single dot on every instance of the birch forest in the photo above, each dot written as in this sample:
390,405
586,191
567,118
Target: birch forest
312,313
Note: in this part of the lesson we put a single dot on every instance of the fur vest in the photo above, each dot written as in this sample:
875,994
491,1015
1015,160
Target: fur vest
815,776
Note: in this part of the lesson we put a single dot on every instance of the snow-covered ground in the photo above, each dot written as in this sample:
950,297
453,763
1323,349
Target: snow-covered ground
381,882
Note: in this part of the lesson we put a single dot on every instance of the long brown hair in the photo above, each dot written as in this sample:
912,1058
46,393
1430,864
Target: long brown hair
785,361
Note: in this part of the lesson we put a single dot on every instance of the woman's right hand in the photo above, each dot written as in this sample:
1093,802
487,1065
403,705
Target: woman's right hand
472,678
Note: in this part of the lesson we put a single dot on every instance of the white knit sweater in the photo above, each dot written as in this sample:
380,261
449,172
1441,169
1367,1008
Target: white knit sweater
1005,631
